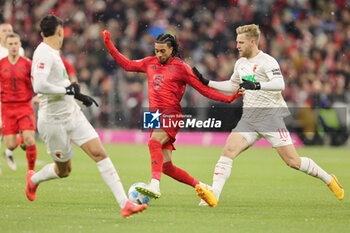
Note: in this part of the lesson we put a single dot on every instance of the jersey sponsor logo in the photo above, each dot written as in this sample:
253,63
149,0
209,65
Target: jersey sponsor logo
249,77
41,65
151,120
157,81
64,73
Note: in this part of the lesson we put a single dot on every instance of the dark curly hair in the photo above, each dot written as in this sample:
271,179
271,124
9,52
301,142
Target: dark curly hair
49,23
170,41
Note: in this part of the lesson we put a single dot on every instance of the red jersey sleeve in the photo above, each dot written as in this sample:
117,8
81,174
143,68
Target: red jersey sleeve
126,64
208,92
69,67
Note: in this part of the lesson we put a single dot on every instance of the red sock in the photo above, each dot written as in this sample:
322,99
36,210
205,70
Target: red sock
179,174
31,156
19,140
155,149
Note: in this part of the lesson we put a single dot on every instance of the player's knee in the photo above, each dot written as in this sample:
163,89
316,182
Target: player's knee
11,145
230,151
29,140
293,163
98,154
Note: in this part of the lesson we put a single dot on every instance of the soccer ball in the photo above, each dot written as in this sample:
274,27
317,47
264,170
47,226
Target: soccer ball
137,197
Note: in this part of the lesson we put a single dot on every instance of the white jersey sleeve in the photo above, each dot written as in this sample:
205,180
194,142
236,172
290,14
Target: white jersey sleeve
229,86
272,69
41,69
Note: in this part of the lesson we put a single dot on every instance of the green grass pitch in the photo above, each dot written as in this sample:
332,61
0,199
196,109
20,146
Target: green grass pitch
262,194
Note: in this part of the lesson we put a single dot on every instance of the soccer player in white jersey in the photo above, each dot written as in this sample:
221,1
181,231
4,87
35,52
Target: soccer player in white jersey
61,121
258,76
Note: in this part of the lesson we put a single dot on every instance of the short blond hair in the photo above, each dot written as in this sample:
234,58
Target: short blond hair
12,35
252,31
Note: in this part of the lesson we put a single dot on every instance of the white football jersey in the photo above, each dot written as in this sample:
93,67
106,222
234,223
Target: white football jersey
47,61
260,104
4,52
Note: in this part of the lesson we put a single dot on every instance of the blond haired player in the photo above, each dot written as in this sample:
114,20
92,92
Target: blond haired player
258,75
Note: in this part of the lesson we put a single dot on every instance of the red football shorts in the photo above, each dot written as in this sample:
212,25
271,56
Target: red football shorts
170,124
17,117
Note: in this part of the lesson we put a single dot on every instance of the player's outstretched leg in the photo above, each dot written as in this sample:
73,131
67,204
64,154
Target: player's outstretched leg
30,186
10,160
336,187
131,208
179,174
151,190
206,195
310,167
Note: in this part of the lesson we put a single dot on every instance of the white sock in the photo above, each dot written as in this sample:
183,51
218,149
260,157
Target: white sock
221,173
111,178
155,183
8,152
46,173
310,167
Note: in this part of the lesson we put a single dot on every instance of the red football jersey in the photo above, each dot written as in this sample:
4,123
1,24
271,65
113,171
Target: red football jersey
167,82
15,80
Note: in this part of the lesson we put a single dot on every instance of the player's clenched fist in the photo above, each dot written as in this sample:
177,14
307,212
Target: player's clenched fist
106,35
73,89
249,85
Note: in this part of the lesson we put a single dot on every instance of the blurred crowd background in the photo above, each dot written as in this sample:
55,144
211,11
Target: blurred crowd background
310,40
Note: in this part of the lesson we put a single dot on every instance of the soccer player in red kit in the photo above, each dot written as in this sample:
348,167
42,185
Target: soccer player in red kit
167,78
16,93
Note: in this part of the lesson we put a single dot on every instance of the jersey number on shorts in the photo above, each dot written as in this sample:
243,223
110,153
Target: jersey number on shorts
283,134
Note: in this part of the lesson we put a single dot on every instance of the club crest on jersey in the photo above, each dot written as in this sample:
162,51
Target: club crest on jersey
151,120
58,154
254,68
41,65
